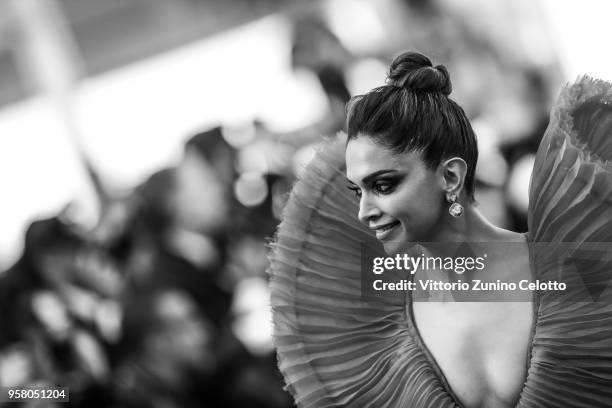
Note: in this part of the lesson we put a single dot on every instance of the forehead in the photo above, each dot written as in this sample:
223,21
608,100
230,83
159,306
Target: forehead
364,156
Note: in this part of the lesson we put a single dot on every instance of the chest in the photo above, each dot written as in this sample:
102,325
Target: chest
481,348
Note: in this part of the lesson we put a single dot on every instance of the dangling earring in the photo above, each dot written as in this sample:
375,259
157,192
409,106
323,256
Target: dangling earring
455,209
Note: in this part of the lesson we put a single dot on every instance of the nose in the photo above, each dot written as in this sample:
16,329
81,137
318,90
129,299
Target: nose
368,211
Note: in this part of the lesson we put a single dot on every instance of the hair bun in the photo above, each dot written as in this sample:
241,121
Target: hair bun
415,72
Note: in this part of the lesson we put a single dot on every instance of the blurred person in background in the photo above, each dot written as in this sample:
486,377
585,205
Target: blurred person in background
179,345
315,47
62,314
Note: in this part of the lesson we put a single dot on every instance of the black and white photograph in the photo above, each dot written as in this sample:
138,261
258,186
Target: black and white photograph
305,204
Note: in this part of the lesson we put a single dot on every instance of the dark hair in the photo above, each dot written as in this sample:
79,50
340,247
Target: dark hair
210,144
212,147
413,112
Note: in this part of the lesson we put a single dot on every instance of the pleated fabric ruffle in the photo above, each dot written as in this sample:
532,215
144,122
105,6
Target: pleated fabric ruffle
570,232
337,348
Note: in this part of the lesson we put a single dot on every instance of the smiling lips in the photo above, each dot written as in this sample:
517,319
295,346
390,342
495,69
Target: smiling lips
382,231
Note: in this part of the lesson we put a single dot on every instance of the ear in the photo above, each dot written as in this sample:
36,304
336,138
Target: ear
453,175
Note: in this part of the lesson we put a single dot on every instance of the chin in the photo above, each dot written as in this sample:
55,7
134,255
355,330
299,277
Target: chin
393,247
390,248
399,246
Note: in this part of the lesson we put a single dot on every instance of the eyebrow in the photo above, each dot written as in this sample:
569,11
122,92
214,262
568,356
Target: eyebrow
372,176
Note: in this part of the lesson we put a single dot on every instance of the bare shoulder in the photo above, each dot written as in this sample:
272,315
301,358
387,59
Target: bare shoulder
504,235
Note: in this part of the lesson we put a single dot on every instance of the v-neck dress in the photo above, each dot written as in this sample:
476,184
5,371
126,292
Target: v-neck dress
339,348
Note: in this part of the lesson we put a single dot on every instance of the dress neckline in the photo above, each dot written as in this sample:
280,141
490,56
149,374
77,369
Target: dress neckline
433,364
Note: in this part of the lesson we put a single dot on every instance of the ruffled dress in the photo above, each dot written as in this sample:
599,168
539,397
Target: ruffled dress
337,348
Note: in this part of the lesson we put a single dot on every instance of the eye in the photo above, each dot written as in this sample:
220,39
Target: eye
383,187
355,190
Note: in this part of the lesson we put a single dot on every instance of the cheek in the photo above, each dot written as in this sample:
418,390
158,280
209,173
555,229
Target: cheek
417,207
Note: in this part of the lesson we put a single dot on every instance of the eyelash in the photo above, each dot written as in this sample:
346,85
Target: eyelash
356,191
379,187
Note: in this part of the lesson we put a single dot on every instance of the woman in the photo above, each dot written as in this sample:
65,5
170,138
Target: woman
410,160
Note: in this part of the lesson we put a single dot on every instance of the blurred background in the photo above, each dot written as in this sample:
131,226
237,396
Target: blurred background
147,148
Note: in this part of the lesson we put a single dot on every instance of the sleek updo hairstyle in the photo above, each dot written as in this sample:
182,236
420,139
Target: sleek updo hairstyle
413,112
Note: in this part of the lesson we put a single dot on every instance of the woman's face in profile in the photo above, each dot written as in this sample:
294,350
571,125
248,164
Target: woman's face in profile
400,199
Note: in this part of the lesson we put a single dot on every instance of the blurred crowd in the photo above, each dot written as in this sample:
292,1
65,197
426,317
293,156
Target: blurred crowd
142,310
164,302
